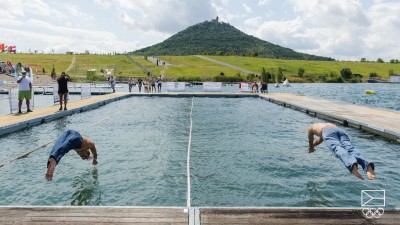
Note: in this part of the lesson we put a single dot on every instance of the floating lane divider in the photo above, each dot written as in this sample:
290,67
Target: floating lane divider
44,145
188,156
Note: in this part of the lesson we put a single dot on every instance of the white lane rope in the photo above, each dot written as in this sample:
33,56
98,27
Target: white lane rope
188,157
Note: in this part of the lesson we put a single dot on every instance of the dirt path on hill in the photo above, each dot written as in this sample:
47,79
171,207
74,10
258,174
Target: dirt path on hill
227,65
72,64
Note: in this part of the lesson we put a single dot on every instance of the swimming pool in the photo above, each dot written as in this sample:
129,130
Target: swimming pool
244,152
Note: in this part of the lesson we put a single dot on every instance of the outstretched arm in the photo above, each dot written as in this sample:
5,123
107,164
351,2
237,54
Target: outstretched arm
311,142
94,152
310,139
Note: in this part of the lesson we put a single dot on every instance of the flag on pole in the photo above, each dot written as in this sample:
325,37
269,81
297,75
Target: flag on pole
12,48
2,47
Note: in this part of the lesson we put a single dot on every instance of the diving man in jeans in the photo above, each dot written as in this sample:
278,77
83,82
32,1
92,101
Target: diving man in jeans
68,140
339,143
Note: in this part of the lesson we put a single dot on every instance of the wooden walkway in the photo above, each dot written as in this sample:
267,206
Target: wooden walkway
382,122
12,122
180,216
92,215
287,216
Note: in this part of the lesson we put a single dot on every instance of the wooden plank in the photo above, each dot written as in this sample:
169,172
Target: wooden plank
11,119
293,216
92,215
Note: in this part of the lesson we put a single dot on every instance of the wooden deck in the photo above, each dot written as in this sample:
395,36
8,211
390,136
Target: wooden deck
378,121
92,215
180,216
294,216
12,122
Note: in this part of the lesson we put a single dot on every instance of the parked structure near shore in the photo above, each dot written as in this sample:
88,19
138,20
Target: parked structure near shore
395,78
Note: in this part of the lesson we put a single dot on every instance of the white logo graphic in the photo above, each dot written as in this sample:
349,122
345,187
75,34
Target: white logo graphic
372,212
373,198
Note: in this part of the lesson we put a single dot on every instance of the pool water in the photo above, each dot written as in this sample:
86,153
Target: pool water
244,152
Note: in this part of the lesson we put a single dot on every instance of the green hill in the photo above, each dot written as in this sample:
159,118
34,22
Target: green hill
218,38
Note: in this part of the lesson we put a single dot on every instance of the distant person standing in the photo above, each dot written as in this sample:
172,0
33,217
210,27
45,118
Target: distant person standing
159,83
24,91
264,87
255,87
130,84
63,89
140,83
153,84
112,83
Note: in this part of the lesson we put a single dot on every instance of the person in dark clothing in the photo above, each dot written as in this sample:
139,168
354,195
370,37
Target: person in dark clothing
63,89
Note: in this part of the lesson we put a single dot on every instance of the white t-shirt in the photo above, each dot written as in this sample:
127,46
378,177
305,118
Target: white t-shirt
24,85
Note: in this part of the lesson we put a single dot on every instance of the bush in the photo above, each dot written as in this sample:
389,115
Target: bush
251,77
336,79
300,72
373,75
346,73
228,79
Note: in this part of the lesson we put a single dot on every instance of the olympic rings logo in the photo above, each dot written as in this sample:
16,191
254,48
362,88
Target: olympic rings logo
373,212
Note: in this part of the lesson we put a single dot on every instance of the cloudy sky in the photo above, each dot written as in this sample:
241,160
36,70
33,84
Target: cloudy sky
342,29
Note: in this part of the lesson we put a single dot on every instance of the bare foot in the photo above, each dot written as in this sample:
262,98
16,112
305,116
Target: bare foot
354,171
50,169
370,172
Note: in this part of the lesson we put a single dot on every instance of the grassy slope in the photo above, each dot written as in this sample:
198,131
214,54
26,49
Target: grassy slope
61,63
311,67
194,66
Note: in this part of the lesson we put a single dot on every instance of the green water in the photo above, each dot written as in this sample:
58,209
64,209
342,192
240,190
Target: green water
244,152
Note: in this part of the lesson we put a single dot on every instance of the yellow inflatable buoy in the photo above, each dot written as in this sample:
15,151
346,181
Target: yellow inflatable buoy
370,92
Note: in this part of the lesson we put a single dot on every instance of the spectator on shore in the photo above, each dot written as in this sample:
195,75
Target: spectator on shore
24,91
153,84
264,87
159,83
140,83
112,83
130,84
63,89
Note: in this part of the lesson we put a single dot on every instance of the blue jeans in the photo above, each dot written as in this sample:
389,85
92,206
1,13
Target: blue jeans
68,140
339,143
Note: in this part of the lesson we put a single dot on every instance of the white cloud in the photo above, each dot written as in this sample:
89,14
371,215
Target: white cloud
168,16
263,2
343,29
247,8
105,4
75,11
